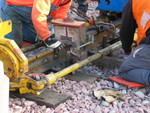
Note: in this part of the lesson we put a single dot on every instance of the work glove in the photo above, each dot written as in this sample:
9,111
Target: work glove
53,43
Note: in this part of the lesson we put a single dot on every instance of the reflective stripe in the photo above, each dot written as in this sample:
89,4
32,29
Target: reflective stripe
144,19
135,52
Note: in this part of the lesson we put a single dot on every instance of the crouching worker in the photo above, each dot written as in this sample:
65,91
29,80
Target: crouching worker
30,18
136,68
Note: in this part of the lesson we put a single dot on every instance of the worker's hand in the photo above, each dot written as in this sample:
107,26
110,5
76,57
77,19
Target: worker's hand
53,43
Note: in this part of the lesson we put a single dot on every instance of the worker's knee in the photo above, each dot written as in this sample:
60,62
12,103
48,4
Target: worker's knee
137,75
9,14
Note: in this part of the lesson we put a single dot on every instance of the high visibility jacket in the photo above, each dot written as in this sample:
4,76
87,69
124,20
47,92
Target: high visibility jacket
141,13
40,10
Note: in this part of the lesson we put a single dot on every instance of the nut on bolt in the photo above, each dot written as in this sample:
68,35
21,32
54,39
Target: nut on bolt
21,70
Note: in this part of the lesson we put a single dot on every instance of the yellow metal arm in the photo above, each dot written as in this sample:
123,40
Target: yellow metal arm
28,85
5,27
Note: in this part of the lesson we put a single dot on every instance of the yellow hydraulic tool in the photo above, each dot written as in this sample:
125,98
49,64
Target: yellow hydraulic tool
5,27
29,85
15,63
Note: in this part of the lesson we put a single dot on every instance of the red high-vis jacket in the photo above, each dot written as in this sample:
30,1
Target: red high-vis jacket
40,10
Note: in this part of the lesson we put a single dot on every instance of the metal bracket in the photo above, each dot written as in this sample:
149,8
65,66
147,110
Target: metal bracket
5,27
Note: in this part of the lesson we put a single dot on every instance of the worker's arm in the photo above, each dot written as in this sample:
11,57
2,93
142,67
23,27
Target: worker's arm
128,27
62,12
41,9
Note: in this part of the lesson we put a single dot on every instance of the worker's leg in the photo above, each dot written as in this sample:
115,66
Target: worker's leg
28,30
82,7
138,75
23,17
29,33
9,13
2,7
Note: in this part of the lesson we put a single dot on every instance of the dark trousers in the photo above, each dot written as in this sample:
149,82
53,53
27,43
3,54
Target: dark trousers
22,26
137,75
81,6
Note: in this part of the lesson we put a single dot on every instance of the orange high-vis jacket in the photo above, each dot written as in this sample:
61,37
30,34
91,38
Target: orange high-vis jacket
40,10
141,13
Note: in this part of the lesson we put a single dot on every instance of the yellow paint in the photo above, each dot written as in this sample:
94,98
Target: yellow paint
5,27
16,60
134,44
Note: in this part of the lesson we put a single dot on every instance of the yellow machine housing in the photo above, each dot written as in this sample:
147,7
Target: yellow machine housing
15,62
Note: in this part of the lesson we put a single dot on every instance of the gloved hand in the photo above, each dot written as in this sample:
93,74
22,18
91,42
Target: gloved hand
53,43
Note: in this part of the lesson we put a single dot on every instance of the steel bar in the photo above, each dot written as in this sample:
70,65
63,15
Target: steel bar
80,13
51,78
31,47
40,55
